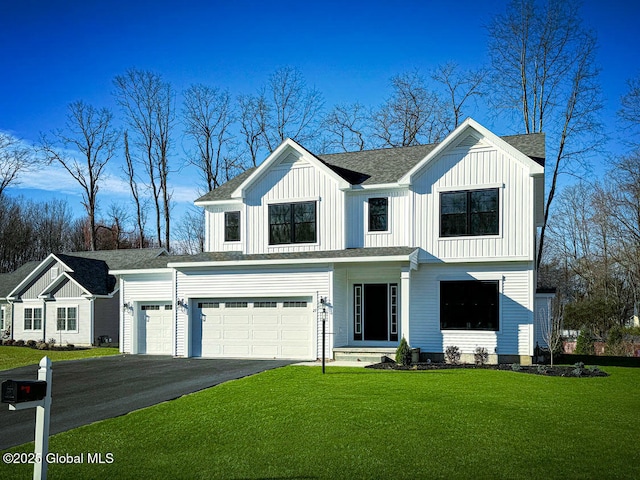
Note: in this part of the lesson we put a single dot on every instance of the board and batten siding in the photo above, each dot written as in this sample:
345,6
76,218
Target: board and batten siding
214,225
516,308
43,281
357,219
295,180
136,288
248,283
476,168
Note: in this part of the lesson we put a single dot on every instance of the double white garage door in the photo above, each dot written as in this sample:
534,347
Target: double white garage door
235,328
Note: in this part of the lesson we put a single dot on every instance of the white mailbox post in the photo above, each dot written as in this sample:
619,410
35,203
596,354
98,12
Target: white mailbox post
21,395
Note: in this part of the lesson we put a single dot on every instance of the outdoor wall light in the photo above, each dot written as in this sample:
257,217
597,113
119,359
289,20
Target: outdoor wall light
127,306
182,303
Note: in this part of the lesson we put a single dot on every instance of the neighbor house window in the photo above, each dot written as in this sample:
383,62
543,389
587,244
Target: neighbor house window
231,226
468,213
469,305
33,319
378,214
292,223
67,318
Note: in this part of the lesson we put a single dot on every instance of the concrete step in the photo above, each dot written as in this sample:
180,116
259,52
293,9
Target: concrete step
360,354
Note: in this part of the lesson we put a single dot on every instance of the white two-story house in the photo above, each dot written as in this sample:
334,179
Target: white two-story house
434,243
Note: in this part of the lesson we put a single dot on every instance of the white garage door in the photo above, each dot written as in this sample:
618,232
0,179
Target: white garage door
155,332
254,328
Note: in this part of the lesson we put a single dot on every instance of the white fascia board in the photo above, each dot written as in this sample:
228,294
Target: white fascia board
379,186
294,261
282,149
469,123
45,293
140,271
34,273
485,260
226,201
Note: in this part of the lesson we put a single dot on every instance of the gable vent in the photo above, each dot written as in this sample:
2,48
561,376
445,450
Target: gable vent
470,141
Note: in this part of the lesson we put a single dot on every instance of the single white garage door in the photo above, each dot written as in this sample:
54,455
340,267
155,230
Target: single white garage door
253,328
155,329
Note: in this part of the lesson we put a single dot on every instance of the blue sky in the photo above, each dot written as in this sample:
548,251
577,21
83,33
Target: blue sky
55,52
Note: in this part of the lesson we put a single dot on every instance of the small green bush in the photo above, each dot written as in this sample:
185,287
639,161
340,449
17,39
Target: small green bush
516,367
403,353
584,343
42,346
579,369
481,356
19,343
31,343
543,369
452,355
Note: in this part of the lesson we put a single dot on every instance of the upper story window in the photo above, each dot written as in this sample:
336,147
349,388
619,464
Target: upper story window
292,223
231,226
469,305
469,213
378,214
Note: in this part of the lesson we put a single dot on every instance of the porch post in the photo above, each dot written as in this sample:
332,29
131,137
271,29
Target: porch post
405,289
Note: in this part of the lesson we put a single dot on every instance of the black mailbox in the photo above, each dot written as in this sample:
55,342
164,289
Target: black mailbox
19,391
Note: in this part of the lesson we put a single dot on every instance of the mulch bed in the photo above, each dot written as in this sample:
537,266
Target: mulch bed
577,370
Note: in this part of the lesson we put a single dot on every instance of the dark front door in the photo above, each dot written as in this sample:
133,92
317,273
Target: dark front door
376,312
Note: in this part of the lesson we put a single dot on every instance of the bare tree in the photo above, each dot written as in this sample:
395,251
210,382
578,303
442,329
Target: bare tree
347,127
294,110
88,131
130,174
412,115
460,86
253,115
15,158
191,232
208,116
629,112
550,324
543,61
148,103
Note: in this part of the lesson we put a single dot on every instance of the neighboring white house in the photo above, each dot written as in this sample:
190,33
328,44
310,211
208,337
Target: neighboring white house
70,297
435,243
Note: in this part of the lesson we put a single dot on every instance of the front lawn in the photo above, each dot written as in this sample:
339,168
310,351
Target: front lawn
13,357
294,422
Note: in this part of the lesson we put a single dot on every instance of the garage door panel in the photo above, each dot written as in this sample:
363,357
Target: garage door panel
155,332
258,328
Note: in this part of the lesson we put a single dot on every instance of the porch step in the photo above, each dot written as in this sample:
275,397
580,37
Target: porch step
362,354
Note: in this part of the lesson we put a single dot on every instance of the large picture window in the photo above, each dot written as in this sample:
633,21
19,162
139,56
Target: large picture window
378,214
33,319
232,226
67,318
469,305
292,223
469,213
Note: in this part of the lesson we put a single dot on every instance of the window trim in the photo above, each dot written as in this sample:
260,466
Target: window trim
3,314
226,226
458,189
66,319
292,241
492,279
24,319
386,214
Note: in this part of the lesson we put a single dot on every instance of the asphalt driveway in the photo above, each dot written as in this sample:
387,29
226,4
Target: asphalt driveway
85,391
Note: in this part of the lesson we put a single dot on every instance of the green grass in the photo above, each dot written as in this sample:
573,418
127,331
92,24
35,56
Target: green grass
13,357
294,422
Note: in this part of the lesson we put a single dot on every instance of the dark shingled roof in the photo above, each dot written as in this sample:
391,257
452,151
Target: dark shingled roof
9,281
90,269
162,262
385,165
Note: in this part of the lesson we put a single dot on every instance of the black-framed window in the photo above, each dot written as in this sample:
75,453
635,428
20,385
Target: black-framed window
469,305
378,214
292,223
231,226
469,213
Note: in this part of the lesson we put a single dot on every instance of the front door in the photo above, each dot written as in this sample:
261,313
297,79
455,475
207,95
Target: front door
376,312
